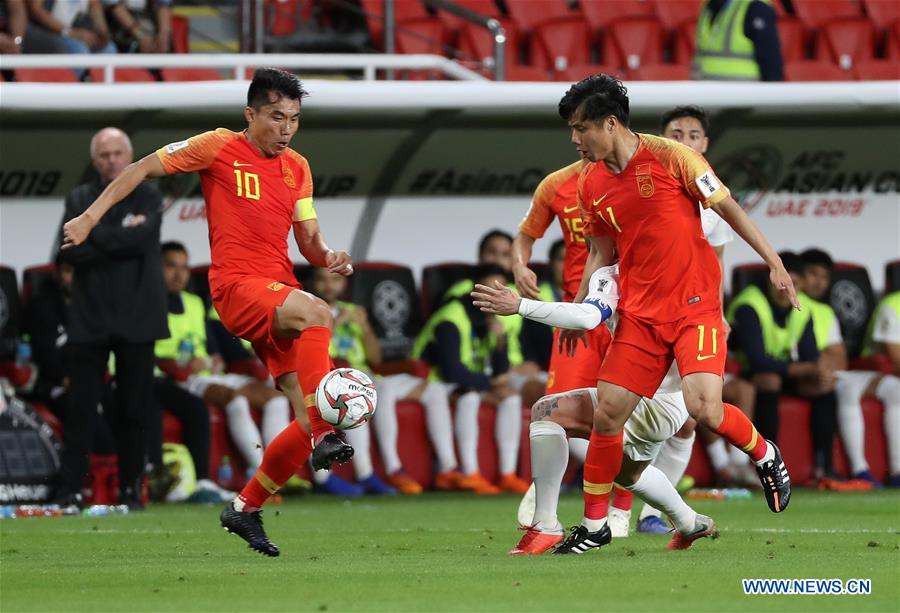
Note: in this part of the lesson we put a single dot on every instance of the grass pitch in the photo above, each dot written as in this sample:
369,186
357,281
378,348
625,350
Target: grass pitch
444,553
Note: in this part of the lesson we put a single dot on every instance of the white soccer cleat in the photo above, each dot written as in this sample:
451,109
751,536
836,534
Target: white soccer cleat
525,514
619,522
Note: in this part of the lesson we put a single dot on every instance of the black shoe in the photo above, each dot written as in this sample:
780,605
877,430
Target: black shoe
580,540
775,481
330,449
248,526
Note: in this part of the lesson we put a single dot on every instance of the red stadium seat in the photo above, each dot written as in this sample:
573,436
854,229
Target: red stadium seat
634,42
425,35
45,75
849,41
181,34
661,72
580,71
475,44
191,74
814,13
124,75
527,14
403,10
33,278
793,37
600,14
519,72
675,13
487,8
814,71
437,279
892,42
560,43
882,13
683,44
880,70
281,17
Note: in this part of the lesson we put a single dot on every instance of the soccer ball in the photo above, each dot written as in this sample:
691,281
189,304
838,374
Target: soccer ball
346,398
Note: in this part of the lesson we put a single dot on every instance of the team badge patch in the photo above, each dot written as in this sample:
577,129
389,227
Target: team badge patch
173,147
276,286
287,175
707,184
644,180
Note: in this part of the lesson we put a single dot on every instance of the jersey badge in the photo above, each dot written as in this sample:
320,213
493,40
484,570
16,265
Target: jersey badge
707,184
287,174
275,286
173,147
644,180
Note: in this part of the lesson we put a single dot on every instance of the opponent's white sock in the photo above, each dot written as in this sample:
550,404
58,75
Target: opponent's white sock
276,415
548,465
888,391
385,423
440,425
578,449
672,460
718,454
508,432
321,476
467,431
360,440
655,487
737,456
850,420
243,431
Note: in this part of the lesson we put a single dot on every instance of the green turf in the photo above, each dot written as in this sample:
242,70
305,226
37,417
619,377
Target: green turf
444,552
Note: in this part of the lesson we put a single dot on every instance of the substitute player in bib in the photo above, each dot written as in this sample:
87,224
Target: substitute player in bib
256,190
639,198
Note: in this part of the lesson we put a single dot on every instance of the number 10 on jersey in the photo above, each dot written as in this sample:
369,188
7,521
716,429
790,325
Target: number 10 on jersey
247,184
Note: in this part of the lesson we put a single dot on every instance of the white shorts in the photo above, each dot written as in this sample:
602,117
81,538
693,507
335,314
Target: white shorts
197,384
401,385
653,422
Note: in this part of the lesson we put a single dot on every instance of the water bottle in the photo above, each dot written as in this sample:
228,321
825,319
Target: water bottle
185,352
225,471
23,351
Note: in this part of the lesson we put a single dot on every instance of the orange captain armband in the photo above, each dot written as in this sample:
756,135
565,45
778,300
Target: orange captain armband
304,210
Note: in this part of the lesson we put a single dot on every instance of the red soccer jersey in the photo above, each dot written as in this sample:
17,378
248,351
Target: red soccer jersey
250,202
555,196
650,210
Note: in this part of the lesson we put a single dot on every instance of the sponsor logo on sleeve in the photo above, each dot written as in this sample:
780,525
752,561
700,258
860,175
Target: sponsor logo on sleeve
173,147
707,184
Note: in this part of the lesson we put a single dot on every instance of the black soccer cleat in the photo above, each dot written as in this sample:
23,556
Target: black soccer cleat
329,450
775,481
248,526
580,540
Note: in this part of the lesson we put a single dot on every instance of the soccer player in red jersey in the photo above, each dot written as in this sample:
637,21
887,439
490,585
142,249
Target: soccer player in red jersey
638,200
256,190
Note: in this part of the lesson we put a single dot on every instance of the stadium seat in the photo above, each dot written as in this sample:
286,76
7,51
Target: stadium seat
45,75
601,14
426,35
743,275
580,71
191,74
633,42
892,276
388,293
674,14
281,17
561,42
892,42
813,13
124,75
403,10
199,282
683,42
853,300
814,71
793,37
33,278
181,34
879,70
519,72
437,279
882,13
10,324
487,8
475,44
848,41
661,72
527,14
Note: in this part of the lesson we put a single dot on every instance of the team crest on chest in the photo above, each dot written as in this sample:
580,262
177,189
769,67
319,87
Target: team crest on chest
287,174
644,180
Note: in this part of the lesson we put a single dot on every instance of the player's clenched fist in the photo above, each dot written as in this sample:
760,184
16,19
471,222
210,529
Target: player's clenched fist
75,231
339,262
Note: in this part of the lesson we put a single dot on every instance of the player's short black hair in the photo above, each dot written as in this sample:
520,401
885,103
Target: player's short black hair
688,110
792,262
558,246
817,257
595,98
483,271
266,80
168,246
491,236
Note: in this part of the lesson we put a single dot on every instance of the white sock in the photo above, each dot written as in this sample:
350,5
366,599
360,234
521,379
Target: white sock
276,416
768,456
385,424
467,431
243,431
888,391
360,440
548,465
718,455
850,420
736,455
655,487
321,476
440,425
508,431
578,449
593,524
672,460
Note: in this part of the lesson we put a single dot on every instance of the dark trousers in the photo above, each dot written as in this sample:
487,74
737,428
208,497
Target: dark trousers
193,414
86,365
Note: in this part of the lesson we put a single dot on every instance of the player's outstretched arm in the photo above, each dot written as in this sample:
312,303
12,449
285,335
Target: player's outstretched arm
526,280
729,210
602,252
76,230
312,245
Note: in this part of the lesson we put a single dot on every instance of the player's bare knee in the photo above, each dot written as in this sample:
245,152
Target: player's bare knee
706,410
607,418
317,313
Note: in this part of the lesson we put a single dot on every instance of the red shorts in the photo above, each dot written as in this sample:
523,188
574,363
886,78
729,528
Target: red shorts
579,371
641,353
246,307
